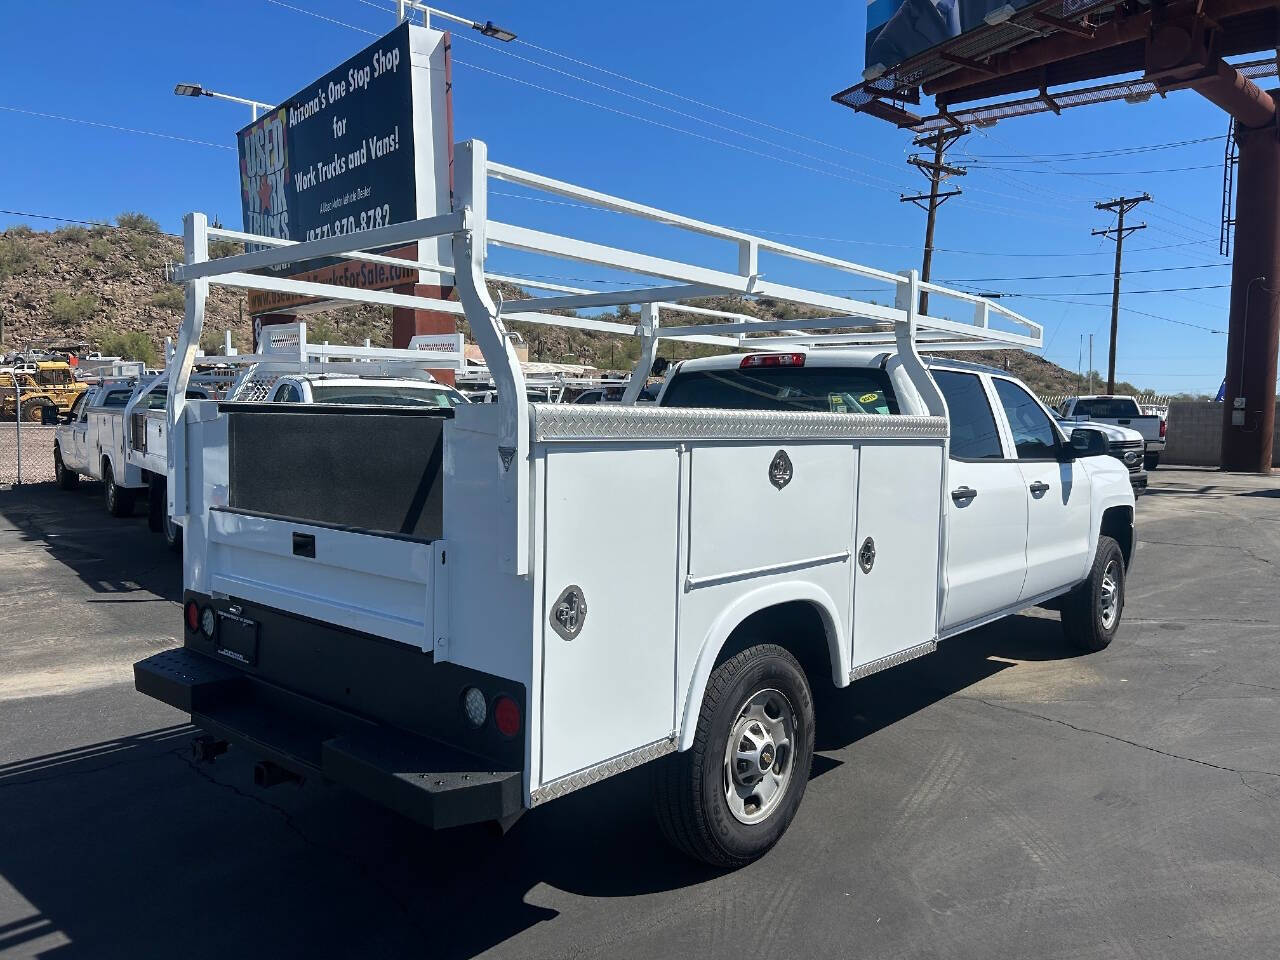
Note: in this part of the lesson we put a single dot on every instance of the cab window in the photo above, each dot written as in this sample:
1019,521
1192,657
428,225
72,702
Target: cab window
115,398
287,393
973,426
801,389
78,408
1034,435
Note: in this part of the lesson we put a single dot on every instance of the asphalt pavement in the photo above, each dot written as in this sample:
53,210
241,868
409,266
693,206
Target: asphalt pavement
1005,797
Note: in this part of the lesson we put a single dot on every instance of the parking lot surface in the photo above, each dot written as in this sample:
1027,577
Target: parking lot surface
1005,797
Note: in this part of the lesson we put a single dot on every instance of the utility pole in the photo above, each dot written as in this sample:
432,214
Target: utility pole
1091,363
1120,206
936,171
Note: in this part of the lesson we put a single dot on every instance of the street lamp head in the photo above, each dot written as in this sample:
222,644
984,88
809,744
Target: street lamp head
490,29
188,90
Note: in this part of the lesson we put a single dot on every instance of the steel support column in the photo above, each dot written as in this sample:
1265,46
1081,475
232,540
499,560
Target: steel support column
1248,416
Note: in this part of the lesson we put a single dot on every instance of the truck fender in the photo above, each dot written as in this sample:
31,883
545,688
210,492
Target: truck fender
733,616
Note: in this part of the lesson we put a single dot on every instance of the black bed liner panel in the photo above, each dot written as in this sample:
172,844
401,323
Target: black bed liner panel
372,469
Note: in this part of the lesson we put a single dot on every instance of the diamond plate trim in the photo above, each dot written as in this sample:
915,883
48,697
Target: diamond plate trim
570,421
884,663
601,771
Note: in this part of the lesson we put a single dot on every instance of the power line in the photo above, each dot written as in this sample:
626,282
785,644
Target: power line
1096,173
112,126
1103,152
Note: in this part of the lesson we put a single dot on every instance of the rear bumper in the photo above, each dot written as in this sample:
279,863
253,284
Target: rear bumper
430,782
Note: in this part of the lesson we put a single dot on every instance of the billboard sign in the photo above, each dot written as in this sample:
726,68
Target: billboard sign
364,146
898,30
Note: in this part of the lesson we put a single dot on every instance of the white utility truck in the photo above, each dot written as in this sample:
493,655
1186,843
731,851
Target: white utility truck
1120,411
421,623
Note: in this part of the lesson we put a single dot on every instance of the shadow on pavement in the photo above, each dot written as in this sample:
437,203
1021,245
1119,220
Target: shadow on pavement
129,848
111,555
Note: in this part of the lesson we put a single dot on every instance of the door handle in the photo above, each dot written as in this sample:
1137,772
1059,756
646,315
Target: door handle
1039,487
963,493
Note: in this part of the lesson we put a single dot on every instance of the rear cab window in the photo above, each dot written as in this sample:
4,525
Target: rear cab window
1107,408
974,435
808,389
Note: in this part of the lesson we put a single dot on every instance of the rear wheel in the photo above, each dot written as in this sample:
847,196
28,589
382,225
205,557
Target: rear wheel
119,501
1091,613
730,797
34,412
1151,461
67,479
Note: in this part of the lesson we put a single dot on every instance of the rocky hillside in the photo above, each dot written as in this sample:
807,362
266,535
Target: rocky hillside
106,286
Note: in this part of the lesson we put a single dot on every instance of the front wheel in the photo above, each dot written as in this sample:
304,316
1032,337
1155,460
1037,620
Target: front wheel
729,798
1091,613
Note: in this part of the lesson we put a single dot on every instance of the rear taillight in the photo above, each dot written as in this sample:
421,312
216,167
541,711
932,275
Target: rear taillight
506,716
752,360
1164,425
193,616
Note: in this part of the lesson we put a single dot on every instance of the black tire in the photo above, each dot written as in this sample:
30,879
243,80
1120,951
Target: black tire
1151,461
1091,613
172,532
67,479
119,500
157,503
691,788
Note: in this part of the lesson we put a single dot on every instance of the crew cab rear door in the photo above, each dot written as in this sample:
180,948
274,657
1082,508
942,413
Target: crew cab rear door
985,507
1056,491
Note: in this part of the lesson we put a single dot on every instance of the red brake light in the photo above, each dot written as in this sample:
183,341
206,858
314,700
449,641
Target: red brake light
772,360
506,716
193,616
1164,425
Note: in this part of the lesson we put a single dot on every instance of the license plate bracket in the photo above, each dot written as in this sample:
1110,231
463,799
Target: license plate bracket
237,638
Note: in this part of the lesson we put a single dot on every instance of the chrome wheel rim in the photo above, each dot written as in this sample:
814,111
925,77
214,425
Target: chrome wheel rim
758,759
1109,596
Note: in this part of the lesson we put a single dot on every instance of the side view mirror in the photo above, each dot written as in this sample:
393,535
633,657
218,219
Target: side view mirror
1088,443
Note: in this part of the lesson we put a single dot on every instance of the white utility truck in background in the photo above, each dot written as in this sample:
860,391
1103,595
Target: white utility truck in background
1120,411
93,442
421,623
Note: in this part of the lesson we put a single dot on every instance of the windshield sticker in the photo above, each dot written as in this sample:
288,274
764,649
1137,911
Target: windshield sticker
869,398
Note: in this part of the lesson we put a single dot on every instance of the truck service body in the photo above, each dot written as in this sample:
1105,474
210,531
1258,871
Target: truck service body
398,600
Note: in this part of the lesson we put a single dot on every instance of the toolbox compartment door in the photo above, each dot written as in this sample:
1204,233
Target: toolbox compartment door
612,517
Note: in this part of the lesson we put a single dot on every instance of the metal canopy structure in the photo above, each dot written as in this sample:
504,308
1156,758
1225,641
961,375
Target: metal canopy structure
1054,47
1051,56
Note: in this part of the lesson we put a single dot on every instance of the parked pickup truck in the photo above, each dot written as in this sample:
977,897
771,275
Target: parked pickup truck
424,622
329,388
96,443
1121,412
1124,444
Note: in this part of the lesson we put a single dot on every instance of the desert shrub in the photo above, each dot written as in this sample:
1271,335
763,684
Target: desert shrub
71,234
170,298
135,345
99,248
68,309
15,257
137,222
224,248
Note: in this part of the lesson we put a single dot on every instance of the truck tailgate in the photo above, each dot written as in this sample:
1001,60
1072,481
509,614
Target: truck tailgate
376,584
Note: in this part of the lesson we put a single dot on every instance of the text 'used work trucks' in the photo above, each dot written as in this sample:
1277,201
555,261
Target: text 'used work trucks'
404,602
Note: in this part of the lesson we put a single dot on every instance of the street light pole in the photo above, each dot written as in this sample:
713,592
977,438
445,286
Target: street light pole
198,90
406,7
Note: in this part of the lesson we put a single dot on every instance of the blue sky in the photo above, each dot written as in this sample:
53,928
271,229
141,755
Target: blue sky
780,159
